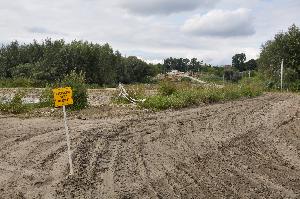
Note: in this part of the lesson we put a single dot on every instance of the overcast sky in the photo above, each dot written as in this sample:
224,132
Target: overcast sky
211,30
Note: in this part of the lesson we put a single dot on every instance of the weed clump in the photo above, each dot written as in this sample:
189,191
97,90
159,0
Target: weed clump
77,82
15,106
167,88
175,97
46,98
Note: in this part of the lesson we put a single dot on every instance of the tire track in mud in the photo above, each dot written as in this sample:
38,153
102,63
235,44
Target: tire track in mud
138,176
241,149
35,158
190,154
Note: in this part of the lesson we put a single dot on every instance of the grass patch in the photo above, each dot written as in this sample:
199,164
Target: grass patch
184,96
46,98
211,78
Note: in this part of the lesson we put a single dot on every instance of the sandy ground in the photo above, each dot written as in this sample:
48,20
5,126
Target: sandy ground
242,149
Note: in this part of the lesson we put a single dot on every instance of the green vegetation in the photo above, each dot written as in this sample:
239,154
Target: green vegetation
83,65
74,80
36,64
77,82
211,78
286,46
182,64
16,106
238,62
18,82
167,88
134,91
212,75
46,98
176,96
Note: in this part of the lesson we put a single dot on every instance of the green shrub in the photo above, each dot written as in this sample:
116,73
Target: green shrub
190,96
185,96
157,102
215,96
136,91
77,82
46,98
15,105
270,85
251,87
211,78
295,86
231,92
185,79
94,86
16,82
167,88
233,76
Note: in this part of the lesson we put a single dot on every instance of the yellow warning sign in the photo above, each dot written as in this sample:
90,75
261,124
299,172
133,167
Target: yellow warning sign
62,96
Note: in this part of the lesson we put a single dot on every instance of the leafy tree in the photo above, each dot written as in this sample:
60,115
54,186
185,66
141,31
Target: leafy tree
251,64
238,61
195,65
182,64
286,46
138,70
50,61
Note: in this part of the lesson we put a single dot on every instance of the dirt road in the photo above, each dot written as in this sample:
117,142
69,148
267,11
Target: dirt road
242,149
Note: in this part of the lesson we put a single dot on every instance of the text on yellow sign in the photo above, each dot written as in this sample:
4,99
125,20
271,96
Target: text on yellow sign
62,96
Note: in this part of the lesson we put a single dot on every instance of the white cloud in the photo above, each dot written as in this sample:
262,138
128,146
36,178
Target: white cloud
221,23
154,7
151,34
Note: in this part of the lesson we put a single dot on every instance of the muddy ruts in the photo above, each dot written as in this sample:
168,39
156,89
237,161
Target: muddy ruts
241,149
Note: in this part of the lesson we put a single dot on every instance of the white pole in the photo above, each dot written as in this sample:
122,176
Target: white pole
281,84
224,78
68,141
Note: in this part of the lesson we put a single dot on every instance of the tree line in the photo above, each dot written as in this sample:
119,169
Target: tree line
284,47
50,61
183,64
239,62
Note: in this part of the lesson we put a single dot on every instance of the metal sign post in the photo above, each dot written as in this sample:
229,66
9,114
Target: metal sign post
62,98
68,141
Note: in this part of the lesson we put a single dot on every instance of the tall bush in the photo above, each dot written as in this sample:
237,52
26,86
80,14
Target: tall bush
285,45
77,82
15,106
167,88
46,98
